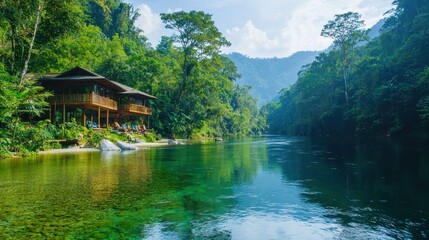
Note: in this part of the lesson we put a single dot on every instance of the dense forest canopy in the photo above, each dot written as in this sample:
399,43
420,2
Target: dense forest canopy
379,87
196,85
366,87
268,76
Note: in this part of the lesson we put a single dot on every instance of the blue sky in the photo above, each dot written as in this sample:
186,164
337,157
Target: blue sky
263,28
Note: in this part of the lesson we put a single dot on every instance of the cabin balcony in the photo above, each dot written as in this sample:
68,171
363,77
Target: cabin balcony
85,99
134,108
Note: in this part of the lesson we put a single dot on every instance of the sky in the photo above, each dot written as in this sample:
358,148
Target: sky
262,28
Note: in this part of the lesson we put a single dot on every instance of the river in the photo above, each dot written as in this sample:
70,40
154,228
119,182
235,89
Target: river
268,187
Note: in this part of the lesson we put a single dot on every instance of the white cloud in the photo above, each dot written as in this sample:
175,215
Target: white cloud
251,40
277,27
302,30
299,30
150,23
373,11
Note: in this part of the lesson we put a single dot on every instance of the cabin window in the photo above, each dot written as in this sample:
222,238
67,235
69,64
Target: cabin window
87,89
99,90
123,100
76,90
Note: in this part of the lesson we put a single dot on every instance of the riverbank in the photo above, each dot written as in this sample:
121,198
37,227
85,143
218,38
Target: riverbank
78,149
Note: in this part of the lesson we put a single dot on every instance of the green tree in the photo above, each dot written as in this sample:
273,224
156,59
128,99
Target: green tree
26,20
387,81
88,48
19,16
27,99
347,31
165,46
199,39
114,17
200,42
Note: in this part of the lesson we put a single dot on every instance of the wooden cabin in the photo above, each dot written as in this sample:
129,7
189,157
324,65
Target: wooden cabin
95,100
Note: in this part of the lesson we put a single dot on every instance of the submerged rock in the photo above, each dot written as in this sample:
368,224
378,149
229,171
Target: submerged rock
106,145
125,146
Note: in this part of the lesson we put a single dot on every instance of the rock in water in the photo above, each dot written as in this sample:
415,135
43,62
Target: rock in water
172,142
106,145
125,146
218,139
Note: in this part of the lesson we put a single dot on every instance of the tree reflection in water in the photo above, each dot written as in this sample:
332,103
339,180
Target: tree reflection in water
264,187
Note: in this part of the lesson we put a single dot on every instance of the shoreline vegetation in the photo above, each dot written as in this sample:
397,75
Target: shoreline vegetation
377,87
83,149
198,96
72,137
362,87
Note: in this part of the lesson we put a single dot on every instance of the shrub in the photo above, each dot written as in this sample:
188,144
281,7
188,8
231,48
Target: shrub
72,130
116,136
94,137
24,138
4,144
149,137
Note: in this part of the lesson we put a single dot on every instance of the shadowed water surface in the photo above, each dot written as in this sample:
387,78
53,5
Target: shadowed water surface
267,187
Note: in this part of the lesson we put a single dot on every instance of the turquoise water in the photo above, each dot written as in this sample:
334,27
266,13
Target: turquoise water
267,187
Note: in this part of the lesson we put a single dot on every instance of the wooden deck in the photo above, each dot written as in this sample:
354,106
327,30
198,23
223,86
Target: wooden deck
134,108
85,99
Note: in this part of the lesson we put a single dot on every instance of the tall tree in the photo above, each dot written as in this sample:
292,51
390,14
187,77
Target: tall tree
200,42
30,48
347,31
23,19
18,15
199,38
388,81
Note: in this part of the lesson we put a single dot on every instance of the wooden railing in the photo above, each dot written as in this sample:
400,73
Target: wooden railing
86,98
104,101
131,107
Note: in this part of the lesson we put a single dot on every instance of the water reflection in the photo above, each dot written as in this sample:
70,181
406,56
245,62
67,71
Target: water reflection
376,185
253,188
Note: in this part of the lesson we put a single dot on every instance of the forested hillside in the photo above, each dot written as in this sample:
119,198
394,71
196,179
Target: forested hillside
194,83
380,88
267,76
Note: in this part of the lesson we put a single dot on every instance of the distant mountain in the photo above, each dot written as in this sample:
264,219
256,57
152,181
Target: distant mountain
374,32
268,76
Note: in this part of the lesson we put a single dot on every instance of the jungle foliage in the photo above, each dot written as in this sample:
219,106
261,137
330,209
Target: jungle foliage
380,87
195,85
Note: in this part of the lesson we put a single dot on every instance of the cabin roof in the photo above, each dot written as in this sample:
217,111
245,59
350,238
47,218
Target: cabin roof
132,91
82,74
79,74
